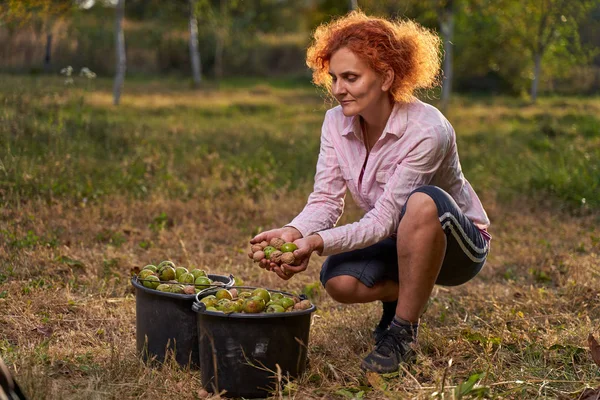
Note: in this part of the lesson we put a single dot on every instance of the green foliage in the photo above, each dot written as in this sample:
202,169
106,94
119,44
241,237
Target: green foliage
469,389
160,222
252,148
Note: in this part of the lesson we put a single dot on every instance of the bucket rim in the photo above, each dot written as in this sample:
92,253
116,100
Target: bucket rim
200,308
155,292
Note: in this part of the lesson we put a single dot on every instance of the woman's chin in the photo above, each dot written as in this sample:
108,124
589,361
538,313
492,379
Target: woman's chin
348,111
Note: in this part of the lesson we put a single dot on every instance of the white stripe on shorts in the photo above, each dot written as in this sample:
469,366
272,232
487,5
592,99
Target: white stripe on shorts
449,220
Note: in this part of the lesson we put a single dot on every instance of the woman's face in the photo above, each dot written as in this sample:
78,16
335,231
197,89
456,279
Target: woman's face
354,84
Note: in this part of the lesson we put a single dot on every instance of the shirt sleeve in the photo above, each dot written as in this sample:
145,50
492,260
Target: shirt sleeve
415,170
326,203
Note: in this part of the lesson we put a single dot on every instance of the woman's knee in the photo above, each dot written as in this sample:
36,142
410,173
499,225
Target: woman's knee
420,208
342,288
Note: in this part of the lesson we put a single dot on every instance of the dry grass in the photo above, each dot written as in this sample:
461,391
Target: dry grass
67,325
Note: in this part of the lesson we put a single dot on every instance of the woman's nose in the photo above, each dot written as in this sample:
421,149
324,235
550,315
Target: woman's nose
338,88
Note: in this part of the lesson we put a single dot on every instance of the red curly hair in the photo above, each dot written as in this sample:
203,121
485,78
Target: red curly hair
410,50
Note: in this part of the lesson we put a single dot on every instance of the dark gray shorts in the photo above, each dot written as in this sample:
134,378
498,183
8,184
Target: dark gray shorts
466,250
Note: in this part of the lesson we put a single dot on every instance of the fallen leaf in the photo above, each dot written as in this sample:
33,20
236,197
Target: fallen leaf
134,271
594,348
376,381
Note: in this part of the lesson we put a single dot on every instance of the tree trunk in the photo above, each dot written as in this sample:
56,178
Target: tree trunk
220,44
120,52
194,52
48,52
447,29
537,59
353,5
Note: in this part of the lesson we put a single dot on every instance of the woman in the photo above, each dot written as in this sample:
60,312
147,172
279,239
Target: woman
397,156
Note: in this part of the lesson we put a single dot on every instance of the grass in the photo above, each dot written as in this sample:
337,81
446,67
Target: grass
88,191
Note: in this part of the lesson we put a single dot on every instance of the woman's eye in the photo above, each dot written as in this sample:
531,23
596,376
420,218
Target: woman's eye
351,78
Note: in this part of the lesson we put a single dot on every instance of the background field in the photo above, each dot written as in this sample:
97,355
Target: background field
88,191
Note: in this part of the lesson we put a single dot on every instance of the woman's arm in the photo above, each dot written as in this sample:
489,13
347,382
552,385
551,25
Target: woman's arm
326,203
416,170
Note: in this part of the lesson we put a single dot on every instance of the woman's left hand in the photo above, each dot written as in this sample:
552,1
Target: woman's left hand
306,246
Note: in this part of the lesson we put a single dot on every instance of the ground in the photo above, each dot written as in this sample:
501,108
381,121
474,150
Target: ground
89,191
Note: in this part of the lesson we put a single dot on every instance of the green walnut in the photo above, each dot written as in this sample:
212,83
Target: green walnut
209,300
164,287
262,293
229,307
145,273
180,271
198,273
186,278
202,283
223,294
167,274
276,296
254,306
275,308
268,250
178,289
277,302
244,295
151,282
288,247
165,264
150,267
287,302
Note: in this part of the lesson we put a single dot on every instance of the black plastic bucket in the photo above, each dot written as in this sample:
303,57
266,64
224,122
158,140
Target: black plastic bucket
166,322
240,353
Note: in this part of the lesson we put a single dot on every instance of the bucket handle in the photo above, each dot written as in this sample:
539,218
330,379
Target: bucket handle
198,307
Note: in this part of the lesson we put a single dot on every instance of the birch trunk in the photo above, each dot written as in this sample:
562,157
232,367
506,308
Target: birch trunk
120,52
194,52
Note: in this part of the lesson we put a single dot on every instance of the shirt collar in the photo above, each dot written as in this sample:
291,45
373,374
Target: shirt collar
396,123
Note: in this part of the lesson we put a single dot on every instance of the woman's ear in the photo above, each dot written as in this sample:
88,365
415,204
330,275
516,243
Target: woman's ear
388,79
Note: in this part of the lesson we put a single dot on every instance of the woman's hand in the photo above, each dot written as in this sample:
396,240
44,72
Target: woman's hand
287,233
306,246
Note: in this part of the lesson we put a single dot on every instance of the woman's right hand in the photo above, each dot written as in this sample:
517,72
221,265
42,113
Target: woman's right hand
287,233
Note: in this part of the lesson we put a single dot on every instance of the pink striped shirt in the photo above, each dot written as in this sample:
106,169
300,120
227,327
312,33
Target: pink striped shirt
417,147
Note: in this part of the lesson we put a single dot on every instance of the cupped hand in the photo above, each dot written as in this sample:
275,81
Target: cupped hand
306,246
287,233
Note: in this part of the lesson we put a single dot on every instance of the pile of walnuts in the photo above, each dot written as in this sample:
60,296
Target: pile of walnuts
277,251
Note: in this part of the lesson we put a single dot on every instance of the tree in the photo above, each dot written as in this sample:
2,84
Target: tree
353,4
120,52
194,52
544,29
39,14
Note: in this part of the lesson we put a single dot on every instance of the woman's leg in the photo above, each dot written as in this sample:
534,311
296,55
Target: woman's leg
436,243
421,250
348,289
